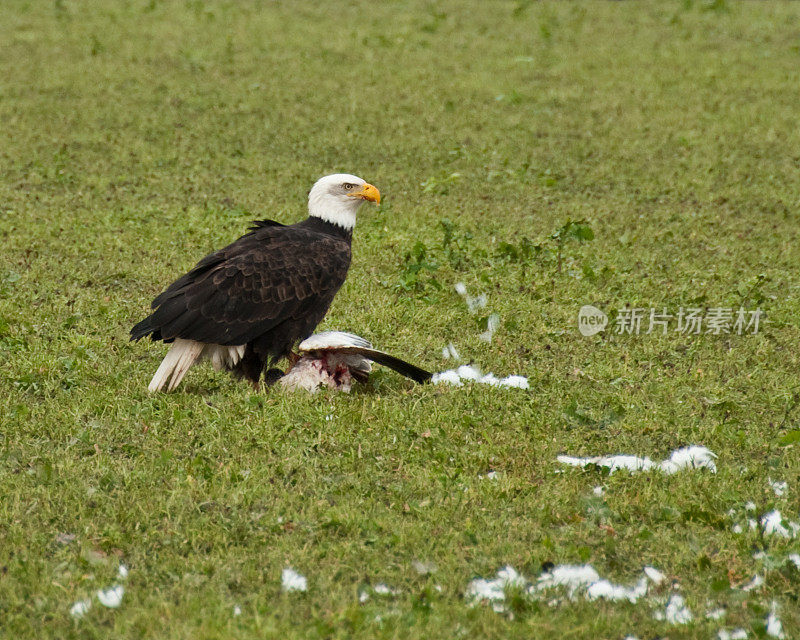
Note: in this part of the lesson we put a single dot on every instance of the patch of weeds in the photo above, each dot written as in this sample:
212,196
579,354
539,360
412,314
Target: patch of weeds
704,516
418,268
597,512
455,245
28,383
200,466
578,230
435,21
526,251
790,438
8,341
523,252
422,261
58,171
511,174
548,178
521,7
96,47
580,415
18,413
723,407
7,282
440,184
201,10
752,292
547,27
717,6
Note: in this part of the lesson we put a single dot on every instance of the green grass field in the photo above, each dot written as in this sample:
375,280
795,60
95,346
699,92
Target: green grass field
139,135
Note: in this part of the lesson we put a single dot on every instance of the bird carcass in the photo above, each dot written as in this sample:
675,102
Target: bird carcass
334,359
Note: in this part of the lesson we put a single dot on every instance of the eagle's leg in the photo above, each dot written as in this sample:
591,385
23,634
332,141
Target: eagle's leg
293,359
271,376
250,367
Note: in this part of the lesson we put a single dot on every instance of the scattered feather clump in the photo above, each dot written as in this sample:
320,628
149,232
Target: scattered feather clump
110,597
735,634
693,457
755,583
575,579
779,488
492,324
293,581
772,523
494,591
609,591
655,575
450,351
383,589
774,625
676,611
80,608
424,568
775,524
751,523
470,373
473,304
380,589
717,614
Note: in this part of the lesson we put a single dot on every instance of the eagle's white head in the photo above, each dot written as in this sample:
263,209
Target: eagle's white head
336,198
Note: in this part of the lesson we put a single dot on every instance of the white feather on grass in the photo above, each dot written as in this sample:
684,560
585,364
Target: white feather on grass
111,597
676,611
80,608
778,487
773,623
471,373
773,523
575,579
693,457
735,634
293,581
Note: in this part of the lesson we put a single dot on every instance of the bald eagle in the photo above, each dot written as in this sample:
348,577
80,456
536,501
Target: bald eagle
246,305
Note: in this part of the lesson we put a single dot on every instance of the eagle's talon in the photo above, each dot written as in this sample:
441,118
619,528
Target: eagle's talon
271,376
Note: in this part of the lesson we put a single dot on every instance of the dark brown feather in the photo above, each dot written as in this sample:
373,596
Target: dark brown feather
267,290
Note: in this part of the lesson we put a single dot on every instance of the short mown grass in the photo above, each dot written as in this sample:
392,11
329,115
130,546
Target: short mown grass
139,135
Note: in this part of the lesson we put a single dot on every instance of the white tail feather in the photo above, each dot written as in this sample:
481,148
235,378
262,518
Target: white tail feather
223,357
175,364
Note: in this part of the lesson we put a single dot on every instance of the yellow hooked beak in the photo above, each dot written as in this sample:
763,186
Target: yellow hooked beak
368,192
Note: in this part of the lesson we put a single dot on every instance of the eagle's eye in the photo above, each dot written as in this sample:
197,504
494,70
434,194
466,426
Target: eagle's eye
347,186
